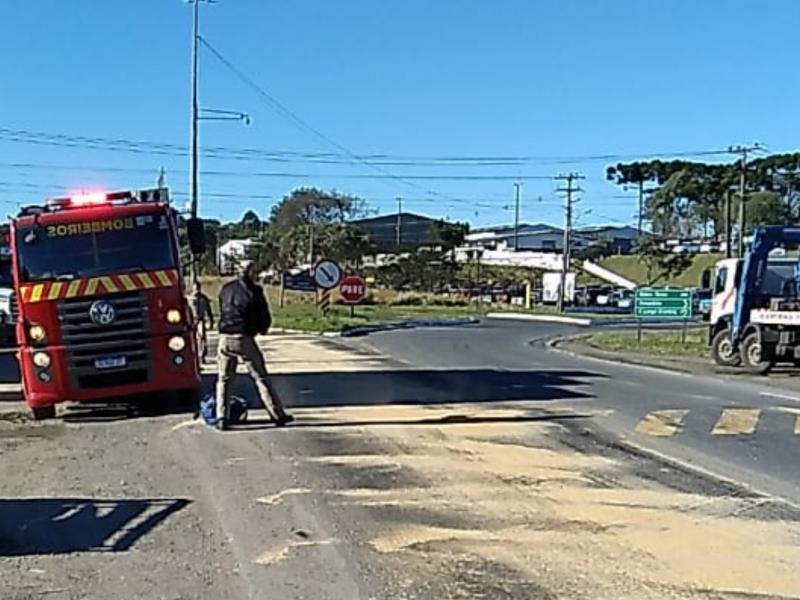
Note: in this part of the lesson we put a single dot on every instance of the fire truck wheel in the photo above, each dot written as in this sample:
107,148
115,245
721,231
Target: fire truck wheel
722,350
41,413
756,358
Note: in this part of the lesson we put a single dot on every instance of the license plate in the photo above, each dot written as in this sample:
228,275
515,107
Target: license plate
110,362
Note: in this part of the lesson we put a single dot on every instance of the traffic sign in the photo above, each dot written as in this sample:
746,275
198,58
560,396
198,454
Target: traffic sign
665,303
327,274
353,289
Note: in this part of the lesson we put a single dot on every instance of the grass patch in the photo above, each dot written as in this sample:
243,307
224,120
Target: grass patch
655,343
631,267
307,317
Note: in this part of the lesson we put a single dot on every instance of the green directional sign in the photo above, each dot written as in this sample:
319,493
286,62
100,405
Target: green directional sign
654,303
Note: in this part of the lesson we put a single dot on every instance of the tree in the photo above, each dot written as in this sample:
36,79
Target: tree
305,206
450,235
660,264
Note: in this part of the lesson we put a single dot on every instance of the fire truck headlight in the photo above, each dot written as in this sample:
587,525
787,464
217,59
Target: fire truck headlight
174,316
37,332
176,343
41,359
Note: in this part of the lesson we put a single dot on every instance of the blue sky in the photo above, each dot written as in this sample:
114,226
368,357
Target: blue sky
544,79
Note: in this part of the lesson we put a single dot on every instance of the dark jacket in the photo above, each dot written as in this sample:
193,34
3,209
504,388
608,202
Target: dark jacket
243,308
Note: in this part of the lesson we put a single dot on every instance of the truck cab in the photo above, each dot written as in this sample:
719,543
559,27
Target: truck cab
102,309
779,271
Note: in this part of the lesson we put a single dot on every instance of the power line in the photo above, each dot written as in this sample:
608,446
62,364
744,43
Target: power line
381,159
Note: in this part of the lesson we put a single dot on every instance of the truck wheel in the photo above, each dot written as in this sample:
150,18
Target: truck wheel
722,351
40,413
756,359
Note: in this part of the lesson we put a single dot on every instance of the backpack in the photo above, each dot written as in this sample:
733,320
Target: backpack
237,410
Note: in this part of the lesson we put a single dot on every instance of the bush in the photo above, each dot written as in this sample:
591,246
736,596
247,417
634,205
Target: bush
448,301
408,300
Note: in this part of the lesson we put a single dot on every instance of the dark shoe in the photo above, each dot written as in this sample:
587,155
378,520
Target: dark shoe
222,425
284,420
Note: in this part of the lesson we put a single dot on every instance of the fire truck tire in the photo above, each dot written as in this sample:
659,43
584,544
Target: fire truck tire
756,359
40,413
722,351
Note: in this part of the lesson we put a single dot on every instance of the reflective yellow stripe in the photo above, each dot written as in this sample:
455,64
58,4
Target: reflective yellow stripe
72,289
24,291
91,286
55,290
36,292
146,281
127,282
163,278
109,284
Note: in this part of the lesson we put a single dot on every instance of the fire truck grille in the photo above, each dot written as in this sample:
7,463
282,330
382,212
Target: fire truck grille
14,306
107,355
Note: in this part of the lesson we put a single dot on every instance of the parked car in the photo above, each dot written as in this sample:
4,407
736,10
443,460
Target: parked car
623,299
604,297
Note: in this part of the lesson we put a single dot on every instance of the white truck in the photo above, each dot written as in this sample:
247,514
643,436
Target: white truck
755,306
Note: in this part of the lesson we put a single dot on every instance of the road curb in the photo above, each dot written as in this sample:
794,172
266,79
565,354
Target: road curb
616,359
511,316
408,324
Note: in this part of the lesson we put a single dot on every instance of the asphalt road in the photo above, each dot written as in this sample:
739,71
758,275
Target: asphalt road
734,427
462,462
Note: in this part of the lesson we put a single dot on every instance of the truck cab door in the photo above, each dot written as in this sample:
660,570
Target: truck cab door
723,298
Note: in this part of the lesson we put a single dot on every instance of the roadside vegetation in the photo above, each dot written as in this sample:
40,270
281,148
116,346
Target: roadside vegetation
664,343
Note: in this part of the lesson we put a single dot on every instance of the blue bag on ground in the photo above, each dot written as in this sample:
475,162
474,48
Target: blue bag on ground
237,410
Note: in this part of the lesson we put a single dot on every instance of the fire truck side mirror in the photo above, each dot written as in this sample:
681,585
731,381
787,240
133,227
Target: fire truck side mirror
197,236
705,279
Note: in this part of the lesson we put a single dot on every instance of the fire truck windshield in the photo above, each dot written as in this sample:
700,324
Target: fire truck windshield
88,248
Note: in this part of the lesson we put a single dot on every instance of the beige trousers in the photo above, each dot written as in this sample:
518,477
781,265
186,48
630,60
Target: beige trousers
235,348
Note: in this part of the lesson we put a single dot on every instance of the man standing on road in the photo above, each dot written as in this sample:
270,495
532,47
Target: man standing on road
200,305
244,313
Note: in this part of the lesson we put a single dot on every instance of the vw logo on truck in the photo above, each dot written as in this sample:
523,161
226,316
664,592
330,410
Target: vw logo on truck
102,312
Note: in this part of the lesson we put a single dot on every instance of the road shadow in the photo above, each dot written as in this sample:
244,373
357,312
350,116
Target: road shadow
36,526
431,386
366,388
452,419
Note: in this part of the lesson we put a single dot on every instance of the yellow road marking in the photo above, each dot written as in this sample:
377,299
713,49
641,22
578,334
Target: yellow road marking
737,421
796,413
146,281
127,282
662,423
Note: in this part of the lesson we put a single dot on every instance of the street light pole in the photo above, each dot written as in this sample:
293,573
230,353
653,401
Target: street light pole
194,133
516,216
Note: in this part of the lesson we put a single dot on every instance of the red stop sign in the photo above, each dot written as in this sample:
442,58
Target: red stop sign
352,289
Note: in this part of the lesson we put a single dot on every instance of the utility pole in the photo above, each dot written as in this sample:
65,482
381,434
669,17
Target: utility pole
195,116
569,190
641,206
399,225
516,216
742,152
728,249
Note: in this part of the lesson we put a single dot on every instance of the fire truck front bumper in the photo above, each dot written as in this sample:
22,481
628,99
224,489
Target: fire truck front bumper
53,374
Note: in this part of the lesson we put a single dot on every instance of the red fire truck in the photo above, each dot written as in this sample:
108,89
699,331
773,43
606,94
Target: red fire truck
102,313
